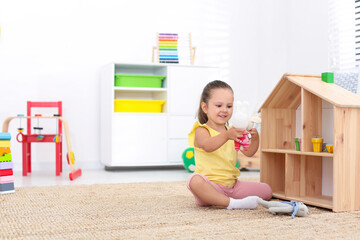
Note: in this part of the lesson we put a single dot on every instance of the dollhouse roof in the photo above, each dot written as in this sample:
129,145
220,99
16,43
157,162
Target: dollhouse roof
287,92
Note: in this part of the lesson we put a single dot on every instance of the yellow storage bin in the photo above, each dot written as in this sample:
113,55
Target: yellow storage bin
124,105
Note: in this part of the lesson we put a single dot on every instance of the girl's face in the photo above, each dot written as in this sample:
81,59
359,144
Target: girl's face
219,107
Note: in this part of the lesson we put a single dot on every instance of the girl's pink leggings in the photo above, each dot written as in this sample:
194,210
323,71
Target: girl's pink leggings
241,189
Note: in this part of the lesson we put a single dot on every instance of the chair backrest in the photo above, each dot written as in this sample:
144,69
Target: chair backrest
30,105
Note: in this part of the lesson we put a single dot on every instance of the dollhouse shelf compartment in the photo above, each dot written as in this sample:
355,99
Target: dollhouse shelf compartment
318,201
288,151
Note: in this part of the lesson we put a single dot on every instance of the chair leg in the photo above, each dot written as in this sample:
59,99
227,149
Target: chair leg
58,161
24,162
61,156
28,157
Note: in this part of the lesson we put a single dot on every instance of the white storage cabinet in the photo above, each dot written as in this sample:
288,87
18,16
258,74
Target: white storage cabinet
131,139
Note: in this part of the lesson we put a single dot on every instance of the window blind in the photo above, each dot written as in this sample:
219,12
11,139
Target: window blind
357,32
344,35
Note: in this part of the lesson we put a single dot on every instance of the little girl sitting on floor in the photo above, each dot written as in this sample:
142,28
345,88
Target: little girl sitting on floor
215,181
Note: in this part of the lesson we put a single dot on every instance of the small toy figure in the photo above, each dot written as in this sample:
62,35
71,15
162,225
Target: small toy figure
243,119
293,207
243,143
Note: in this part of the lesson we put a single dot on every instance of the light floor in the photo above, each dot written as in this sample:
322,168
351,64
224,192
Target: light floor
101,176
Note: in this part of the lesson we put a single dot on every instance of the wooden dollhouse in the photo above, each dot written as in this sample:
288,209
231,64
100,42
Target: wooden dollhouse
298,175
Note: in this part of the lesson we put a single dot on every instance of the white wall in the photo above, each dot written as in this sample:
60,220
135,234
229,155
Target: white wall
53,50
244,44
308,37
294,38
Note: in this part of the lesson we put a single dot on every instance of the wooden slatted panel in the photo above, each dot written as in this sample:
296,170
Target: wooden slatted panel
273,170
265,130
317,154
320,201
303,176
311,110
330,92
346,177
278,128
292,175
284,95
313,168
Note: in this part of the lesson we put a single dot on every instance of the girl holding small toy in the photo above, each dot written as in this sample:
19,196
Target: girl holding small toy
215,180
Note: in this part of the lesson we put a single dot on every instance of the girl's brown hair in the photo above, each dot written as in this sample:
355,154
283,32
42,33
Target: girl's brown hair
205,96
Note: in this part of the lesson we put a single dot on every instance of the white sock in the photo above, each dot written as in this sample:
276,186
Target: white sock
245,203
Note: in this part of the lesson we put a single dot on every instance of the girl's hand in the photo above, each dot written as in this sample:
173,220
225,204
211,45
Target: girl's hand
254,133
255,142
236,133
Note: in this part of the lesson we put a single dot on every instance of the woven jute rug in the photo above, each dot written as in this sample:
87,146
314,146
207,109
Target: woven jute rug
161,210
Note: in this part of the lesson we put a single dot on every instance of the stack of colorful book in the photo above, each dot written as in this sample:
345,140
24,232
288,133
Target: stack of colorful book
6,165
168,48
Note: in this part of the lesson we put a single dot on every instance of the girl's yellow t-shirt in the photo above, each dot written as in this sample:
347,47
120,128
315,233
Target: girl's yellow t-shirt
218,166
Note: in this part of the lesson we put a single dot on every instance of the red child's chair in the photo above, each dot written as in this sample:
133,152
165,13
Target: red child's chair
29,138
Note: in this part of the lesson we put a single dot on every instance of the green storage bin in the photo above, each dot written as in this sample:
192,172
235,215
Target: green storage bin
127,80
